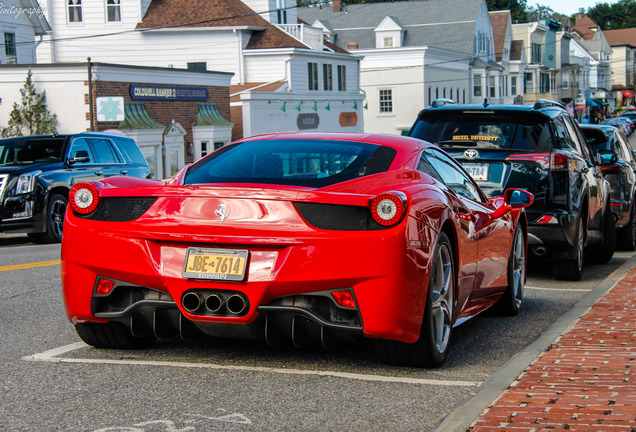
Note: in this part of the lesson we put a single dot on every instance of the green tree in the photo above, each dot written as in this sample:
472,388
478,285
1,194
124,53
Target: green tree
517,8
619,15
32,117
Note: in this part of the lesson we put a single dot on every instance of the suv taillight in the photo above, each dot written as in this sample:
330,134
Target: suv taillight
555,161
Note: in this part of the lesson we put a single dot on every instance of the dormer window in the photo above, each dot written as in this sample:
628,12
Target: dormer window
389,33
74,11
113,10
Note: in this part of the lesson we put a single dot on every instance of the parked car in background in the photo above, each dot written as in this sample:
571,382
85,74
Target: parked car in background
630,115
297,237
619,172
37,173
538,148
623,123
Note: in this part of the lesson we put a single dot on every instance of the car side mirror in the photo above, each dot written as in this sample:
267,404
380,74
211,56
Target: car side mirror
513,199
606,157
80,156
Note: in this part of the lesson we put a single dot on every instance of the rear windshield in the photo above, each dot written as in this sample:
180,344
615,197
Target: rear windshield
297,162
21,152
486,131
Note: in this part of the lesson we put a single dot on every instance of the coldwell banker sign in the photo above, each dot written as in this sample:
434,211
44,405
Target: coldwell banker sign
157,92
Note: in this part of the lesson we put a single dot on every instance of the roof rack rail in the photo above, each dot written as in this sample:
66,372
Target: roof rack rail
441,102
543,103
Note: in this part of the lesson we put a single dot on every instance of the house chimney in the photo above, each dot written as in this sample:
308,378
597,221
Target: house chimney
352,45
337,5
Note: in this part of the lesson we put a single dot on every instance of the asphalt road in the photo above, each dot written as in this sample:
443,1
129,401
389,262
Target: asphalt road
51,381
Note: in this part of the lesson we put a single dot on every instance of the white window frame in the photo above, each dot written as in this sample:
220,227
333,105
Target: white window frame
312,76
114,5
385,101
75,5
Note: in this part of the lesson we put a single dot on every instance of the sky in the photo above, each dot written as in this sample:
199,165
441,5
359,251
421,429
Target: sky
568,7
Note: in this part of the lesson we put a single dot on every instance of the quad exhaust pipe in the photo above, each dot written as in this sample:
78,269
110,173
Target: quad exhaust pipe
200,303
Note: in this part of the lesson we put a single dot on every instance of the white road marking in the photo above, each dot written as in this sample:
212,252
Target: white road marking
557,289
53,357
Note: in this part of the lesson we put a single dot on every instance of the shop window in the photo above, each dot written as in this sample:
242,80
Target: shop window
312,76
386,101
342,78
327,76
74,11
113,10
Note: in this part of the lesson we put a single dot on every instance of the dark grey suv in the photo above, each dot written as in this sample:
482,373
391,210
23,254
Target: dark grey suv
540,149
37,172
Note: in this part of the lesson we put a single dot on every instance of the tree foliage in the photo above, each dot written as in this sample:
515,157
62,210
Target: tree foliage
517,8
32,116
619,15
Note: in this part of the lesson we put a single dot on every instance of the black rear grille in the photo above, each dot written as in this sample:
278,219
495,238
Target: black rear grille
120,209
336,217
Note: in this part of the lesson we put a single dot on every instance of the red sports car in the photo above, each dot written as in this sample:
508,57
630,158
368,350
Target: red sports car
295,236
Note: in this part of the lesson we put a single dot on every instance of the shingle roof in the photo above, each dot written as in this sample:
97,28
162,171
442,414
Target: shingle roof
584,26
217,13
516,49
499,20
448,24
621,37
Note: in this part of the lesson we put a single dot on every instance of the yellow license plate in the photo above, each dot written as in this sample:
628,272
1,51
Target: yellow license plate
221,264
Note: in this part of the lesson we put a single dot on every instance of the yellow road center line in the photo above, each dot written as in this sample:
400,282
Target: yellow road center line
29,265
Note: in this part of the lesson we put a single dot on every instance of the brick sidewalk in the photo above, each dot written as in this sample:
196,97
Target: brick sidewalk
585,381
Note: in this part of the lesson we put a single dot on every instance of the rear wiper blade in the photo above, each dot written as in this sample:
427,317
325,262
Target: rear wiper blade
469,143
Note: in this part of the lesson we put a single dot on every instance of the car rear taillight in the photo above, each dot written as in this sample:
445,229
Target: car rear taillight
389,208
344,298
83,198
555,161
611,169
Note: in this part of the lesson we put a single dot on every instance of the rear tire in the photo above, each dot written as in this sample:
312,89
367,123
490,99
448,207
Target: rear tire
626,236
112,335
510,302
433,345
601,254
572,269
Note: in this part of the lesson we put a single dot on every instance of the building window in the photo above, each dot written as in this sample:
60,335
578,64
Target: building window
74,11
327,76
386,101
444,92
312,76
342,78
492,86
281,13
513,85
113,10
430,95
218,145
528,85
477,85
536,52
9,47
204,148
198,66
544,83
388,42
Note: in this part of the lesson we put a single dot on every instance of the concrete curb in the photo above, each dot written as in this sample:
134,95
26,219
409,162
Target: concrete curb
463,416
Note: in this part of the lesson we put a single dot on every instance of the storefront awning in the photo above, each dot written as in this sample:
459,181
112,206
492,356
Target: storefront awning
627,93
601,102
590,102
137,117
209,115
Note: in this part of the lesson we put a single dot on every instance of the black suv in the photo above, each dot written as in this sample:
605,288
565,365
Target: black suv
37,172
540,149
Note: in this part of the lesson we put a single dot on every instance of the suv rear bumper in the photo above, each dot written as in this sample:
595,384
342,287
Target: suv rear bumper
553,240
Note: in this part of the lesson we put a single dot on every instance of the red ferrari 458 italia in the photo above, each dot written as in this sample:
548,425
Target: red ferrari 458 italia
295,237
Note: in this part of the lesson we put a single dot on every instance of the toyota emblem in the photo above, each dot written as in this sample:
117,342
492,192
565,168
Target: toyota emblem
471,154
